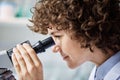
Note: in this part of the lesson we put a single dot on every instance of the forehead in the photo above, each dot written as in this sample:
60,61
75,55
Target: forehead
59,32
53,29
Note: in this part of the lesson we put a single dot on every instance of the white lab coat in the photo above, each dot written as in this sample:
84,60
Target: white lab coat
113,74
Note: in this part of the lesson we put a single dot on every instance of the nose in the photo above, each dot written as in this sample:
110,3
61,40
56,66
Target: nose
56,48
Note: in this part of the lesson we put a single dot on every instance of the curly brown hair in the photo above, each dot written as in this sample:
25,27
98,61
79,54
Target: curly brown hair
94,22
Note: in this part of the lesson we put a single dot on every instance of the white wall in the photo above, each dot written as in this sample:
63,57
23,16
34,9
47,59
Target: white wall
16,31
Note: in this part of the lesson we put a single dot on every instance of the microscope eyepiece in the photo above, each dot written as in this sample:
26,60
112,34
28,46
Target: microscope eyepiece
39,47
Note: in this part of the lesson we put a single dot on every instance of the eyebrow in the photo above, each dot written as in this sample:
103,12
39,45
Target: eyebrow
52,33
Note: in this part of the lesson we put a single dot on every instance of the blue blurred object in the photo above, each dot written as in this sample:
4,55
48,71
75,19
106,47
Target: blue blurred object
24,7
7,9
21,7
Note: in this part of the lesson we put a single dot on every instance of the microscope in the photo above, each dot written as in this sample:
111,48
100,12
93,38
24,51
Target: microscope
6,62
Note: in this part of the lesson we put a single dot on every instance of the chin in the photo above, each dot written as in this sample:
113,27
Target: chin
71,66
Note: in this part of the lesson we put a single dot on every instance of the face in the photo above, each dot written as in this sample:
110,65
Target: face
69,49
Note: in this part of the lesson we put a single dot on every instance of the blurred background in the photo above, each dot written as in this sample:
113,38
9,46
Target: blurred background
14,15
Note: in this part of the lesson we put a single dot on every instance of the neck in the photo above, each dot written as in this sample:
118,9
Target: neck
98,57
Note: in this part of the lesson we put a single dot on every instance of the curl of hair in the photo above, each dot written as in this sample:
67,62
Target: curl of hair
93,22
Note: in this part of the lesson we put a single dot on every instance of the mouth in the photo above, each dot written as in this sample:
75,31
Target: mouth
65,57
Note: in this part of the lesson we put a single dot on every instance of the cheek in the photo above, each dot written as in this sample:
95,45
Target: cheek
66,45
70,47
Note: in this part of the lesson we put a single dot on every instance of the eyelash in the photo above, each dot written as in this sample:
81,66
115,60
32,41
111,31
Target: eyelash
57,36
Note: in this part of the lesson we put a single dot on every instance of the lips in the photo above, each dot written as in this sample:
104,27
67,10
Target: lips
65,57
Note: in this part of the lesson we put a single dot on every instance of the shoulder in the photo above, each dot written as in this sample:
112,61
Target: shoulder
118,78
114,73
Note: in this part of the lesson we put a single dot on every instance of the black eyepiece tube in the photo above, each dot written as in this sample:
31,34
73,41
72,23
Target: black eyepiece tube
39,47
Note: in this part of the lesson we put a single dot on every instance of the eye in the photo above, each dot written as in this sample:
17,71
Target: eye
57,36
